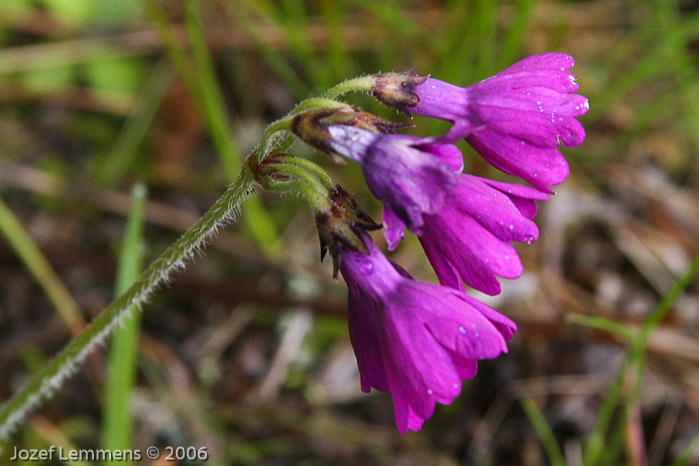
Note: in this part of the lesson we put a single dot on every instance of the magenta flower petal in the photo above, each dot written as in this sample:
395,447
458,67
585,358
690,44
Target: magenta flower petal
364,331
417,340
410,175
523,197
394,228
470,238
477,255
448,153
448,274
540,166
514,119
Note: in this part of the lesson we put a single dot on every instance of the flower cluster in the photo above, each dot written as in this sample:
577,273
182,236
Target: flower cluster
419,340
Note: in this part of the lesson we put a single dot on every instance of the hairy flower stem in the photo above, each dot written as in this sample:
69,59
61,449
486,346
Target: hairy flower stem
315,182
361,83
271,141
50,377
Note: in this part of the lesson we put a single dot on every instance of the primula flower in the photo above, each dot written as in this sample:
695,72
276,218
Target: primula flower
414,339
514,119
469,238
410,175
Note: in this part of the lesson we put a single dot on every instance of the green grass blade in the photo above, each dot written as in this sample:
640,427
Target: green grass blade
607,325
543,429
635,360
258,222
596,441
517,33
37,264
337,52
294,22
487,23
211,98
655,63
613,447
201,81
688,453
274,59
669,299
48,379
456,50
123,353
117,162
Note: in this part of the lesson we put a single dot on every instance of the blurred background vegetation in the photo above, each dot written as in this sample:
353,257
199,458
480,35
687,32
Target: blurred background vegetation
246,352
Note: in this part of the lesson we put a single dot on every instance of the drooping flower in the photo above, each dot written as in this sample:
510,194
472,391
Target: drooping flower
413,339
410,175
516,118
470,238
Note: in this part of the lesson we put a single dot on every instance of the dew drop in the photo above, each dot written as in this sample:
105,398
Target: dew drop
512,227
462,330
429,391
367,268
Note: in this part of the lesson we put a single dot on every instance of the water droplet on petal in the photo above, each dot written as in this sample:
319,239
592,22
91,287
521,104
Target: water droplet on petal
429,391
367,268
462,330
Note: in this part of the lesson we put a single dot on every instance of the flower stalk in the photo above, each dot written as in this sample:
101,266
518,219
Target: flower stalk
50,378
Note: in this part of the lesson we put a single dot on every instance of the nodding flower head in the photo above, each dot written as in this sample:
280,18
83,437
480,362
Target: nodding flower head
516,118
413,339
470,238
410,175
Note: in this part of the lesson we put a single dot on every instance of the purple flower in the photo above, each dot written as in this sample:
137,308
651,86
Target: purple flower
416,340
411,175
514,119
469,238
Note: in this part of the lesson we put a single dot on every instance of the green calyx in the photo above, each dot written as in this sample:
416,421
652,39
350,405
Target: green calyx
339,219
396,89
341,226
